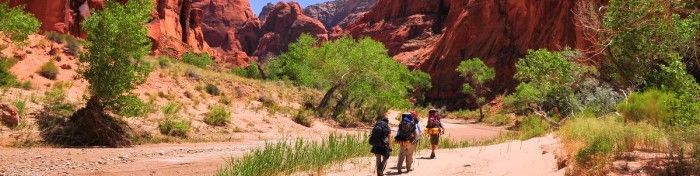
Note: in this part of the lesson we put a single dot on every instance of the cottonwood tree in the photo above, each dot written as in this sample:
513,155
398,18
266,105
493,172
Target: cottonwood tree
477,74
113,64
355,74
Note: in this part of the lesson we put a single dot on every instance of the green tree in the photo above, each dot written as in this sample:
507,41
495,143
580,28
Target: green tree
356,74
113,65
547,83
117,42
16,23
641,35
477,75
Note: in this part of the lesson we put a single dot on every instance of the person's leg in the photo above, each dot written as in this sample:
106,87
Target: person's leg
409,155
380,170
402,155
385,160
434,141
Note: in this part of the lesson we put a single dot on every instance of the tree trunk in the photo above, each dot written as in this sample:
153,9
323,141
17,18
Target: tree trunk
481,114
341,105
262,72
326,98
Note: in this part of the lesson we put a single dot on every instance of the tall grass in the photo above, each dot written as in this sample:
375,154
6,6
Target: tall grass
287,157
290,156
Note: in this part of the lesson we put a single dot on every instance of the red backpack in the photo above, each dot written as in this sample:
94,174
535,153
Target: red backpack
433,121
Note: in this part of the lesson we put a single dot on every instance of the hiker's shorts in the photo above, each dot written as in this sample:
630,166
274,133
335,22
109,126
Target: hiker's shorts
434,139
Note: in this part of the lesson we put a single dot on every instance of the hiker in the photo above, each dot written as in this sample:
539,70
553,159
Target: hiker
435,129
406,136
381,143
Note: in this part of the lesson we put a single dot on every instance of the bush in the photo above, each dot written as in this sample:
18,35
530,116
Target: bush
212,89
218,116
303,117
16,23
651,106
251,71
49,70
131,106
54,101
73,45
164,62
171,108
533,126
7,79
201,60
173,126
498,119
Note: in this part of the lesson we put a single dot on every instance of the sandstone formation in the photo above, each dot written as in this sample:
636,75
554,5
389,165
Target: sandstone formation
266,11
284,24
231,28
436,36
339,12
174,29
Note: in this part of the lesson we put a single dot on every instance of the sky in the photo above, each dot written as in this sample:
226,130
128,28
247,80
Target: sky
259,4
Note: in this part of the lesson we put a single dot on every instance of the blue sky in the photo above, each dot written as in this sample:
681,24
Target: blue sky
259,4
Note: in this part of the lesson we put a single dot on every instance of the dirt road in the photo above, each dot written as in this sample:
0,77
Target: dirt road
531,157
159,159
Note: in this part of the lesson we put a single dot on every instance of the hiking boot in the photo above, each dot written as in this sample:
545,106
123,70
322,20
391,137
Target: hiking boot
432,155
400,172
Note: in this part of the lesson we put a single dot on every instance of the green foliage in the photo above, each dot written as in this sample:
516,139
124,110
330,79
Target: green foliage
533,126
171,108
173,126
641,38
117,42
73,44
7,79
548,81
289,157
304,117
218,116
476,74
250,71
343,70
212,90
164,62
131,106
201,60
54,101
21,107
49,70
651,106
16,23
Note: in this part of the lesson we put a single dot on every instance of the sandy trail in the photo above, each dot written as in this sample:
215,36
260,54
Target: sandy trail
173,159
531,157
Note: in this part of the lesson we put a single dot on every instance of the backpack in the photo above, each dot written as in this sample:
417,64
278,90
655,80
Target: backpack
407,128
379,134
433,121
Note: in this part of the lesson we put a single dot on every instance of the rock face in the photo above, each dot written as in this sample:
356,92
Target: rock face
266,11
174,28
402,25
231,28
284,24
9,115
437,36
339,12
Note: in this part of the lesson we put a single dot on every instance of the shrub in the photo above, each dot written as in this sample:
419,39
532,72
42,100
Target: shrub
218,116
498,119
7,79
651,106
201,60
26,85
164,62
173,126
21,107
49,70
250,71
16,23
533,126
131,106
212,89
303,117
54,101
73,45
171,108
477,75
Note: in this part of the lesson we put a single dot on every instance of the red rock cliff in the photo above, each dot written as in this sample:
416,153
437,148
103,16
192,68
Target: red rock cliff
174,28
498,31
231,28
284,24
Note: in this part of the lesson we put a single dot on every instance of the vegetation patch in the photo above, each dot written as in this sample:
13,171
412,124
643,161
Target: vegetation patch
173,126
201,60
7,79
218,116
16,23
251,71
49,70
304,117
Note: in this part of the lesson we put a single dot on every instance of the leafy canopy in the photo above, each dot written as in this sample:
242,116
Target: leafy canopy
16,23
116,44
360,71
477,74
